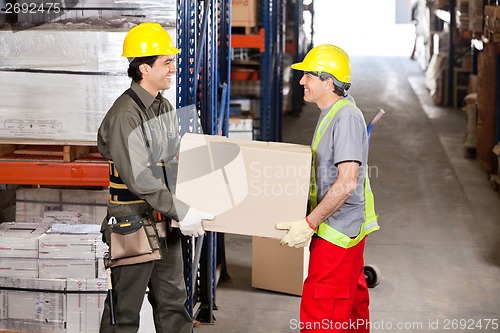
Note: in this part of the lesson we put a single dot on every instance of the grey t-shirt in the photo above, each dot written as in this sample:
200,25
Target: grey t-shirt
344,140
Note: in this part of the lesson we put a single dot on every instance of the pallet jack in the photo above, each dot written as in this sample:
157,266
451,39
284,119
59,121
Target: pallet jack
372,273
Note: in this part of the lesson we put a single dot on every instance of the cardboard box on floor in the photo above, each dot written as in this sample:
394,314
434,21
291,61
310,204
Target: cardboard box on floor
248,185
278,268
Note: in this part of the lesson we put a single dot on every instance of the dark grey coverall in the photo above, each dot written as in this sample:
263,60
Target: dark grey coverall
121,139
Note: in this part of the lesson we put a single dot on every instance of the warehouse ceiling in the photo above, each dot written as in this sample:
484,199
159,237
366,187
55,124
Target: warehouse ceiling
365,27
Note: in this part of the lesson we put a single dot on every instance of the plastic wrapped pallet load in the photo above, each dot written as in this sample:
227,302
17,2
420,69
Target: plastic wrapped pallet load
61,81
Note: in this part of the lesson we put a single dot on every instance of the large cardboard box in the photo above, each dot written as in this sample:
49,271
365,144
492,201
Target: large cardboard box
248,185
278,268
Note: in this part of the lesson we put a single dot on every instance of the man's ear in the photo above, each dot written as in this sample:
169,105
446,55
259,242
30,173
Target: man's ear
144,69
330,85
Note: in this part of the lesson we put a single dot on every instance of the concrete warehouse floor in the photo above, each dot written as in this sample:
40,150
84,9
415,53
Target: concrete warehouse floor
439,245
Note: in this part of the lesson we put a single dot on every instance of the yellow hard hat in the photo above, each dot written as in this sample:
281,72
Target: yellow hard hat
327,58
148,39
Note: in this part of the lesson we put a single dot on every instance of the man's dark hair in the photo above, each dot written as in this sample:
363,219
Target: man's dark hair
336,89
133,68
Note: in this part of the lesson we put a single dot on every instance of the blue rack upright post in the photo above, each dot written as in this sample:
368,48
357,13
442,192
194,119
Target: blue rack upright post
203,78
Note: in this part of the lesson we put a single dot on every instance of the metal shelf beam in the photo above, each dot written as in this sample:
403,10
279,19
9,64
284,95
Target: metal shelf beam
82,174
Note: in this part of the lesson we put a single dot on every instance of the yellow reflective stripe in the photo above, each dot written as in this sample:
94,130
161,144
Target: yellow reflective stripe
370,214
327,120
324,230
112,169
118,186
125,202
336,237
323,125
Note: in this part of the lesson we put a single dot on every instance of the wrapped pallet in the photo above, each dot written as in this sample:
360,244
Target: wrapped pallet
63,76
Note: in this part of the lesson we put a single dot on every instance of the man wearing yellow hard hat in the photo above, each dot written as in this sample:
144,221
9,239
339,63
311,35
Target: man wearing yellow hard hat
140,139
341,213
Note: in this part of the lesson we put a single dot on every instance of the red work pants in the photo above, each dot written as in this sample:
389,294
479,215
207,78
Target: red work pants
335,295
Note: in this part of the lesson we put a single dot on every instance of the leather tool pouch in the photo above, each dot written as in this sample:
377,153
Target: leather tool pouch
133,242
162,223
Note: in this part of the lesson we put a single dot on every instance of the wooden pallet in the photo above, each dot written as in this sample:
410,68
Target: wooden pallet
41,152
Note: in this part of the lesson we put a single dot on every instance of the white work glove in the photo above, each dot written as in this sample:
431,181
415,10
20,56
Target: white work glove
299,232
191,225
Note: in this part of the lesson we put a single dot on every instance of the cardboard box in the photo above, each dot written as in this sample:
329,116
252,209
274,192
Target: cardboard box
19,267
278,268
240,128
243,13
66,268
20,240
67,246
33,305
61,205
492,18
85,304
248,185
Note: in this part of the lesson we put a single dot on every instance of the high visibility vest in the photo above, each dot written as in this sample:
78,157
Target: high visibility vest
324,230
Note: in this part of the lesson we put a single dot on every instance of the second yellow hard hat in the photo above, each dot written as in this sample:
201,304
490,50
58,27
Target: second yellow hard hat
327,58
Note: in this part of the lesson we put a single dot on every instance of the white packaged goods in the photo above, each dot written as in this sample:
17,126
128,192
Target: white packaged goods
113,12
66,268
66,246
85,303
20,240
33,305
61,205
19,267
61,81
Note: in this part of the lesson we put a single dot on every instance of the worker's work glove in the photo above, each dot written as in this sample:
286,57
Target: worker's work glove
190,224
299,232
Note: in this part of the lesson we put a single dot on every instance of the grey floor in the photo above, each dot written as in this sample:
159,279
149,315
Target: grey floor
439,244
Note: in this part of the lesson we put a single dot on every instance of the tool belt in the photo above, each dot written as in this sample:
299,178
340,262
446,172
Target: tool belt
133,239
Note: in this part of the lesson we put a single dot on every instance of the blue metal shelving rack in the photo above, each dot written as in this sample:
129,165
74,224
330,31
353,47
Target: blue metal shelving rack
203,35
301,47
203,82
271,71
